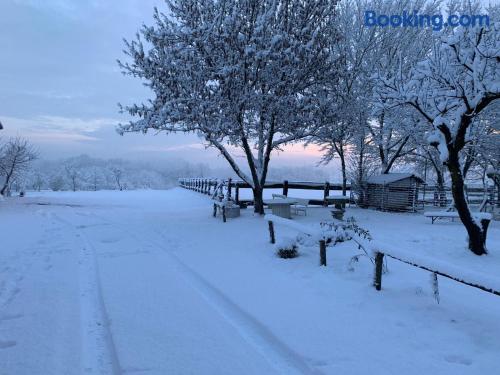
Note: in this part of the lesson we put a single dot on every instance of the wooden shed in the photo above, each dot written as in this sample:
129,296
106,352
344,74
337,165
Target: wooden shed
392,192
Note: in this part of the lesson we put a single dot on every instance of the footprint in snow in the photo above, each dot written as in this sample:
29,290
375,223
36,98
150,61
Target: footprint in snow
109,240
7,344
10,317
458,359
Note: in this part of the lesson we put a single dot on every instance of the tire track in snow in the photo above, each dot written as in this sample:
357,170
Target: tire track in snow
98,349
278,354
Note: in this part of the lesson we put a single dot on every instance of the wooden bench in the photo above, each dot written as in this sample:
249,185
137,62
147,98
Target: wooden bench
221,207
227,209
435,215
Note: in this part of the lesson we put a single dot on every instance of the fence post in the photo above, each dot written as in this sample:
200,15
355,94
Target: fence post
237,194
271,231
229,181
285,187
326,193
379,261
322,253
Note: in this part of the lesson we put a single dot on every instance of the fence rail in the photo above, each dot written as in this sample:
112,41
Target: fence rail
450,272
227,187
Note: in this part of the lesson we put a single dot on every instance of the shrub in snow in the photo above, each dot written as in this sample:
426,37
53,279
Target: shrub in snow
287,248
349,230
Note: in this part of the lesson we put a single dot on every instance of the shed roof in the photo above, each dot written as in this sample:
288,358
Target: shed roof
388,178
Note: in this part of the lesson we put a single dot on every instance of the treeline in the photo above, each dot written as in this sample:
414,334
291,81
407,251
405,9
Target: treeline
87,173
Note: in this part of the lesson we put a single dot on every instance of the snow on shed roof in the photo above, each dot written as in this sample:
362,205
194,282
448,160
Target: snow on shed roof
391,177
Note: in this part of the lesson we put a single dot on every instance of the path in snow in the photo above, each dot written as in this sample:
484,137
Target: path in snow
253,336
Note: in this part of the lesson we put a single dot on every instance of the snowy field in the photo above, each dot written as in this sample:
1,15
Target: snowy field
147,282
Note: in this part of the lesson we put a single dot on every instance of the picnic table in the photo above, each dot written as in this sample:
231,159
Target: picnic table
281,206
338,201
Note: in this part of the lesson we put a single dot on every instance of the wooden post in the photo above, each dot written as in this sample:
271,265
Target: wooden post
285,187
322,253
237,194
271,231
224,214
379,261
215,210
326,193
229,181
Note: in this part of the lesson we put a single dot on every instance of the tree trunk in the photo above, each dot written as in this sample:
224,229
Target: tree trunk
4,189
440,189
6,184
477,237
258,200
344,172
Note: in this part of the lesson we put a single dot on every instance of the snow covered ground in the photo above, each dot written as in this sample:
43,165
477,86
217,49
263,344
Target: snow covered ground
147,282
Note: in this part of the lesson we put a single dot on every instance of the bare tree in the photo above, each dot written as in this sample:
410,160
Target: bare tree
118,177
73,174
15,159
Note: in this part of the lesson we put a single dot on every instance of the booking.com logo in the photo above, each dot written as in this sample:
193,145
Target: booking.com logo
436,21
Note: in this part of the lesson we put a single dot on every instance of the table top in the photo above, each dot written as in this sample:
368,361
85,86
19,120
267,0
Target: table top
337,198
277,201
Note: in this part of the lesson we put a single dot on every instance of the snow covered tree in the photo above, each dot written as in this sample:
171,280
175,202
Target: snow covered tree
56,183
242,74
15,159
366,52
449,90
394,52
73,174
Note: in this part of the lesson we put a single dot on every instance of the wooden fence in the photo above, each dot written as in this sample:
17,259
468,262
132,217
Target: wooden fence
428,195
231,188
450,272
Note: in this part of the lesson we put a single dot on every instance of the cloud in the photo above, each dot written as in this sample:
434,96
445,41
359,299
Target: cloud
58,138
153,148
58,123
50,95
55,129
